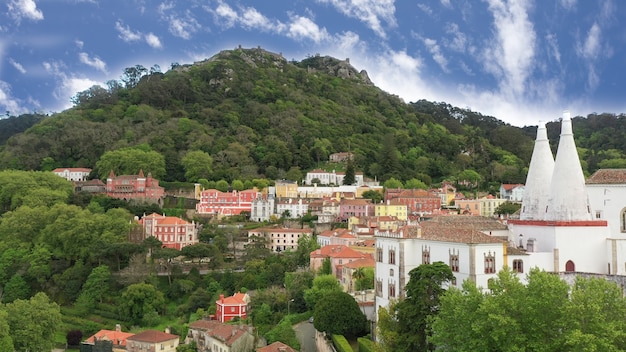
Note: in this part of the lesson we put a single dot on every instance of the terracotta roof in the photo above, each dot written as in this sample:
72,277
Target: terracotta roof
227,333
510,186
236,299
152,336
476,222
458,232
336,251
367,262
276,347
359,201
608,176
516,251
117,337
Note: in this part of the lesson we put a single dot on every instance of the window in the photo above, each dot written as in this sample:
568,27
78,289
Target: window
453,281
598,214
379,287
390,272
379,255
623,220
454,261
392,290
425,255
490,263
392,256
518,266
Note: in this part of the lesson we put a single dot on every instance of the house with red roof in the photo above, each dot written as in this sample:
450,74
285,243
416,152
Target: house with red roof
279,239
355,207
211,335
152,341
235,306
117,337
348,282
73,173
135,187
418,201
172,231
339,255
276,347
513,192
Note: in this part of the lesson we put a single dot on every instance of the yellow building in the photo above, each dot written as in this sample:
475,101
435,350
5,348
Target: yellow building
485,206
286,189
391,208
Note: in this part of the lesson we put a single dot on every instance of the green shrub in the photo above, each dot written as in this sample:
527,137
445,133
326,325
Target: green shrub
366,345
341,344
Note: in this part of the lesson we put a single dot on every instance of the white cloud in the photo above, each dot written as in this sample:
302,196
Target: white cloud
227,16
79,44
17,66
94,62
19,9
183,27
153,41
251,18
371,12
126,34
509,55
435,51
459,39
67,84
8,102
553,47
446,3
304,28
568,4
425,8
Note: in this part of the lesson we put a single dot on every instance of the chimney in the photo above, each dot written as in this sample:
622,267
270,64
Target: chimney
118,327
221,298
167,330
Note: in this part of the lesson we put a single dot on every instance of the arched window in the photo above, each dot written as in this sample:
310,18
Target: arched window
570,266
622,220
518,266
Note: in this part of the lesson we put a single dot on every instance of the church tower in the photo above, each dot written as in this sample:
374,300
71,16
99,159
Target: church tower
537,188
568,199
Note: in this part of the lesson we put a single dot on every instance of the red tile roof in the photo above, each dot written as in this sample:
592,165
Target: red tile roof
510,186
227,333
117,337
367,262
608,176
276,347
152,336
72,169
336,251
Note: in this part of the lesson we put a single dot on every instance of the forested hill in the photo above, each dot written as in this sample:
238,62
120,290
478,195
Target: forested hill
258,115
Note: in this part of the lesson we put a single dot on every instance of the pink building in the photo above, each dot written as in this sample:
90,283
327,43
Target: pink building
173,232
220,203
355,207
228,308
134,187
339,256
418,201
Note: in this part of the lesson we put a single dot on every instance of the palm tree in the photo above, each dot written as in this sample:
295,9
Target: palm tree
358,275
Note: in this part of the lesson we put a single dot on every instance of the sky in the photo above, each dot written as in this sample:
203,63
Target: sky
521,61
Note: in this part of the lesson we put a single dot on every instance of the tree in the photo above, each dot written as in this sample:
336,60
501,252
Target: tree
415,184
322,285
96,286
138,300
74,337
338,313
375,196
129,161
16,288
507,208
326,268
349,178
392,183
33,323
415,312
197,165
6,342
364,278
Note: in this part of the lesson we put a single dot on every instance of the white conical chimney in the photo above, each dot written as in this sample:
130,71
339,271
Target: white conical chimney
568,195
537,187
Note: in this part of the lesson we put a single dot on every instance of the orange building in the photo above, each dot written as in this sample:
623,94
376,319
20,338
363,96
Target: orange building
135,187
173,232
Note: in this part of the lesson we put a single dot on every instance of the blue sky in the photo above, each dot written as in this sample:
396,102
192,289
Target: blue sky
521,61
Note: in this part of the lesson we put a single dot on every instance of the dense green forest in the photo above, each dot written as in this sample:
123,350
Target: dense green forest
257,115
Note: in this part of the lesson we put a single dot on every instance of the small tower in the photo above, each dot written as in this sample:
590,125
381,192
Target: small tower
568,199
537,186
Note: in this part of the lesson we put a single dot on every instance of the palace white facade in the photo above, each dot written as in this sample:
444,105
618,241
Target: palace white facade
566,226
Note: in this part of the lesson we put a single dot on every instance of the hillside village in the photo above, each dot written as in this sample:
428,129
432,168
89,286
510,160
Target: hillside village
569,226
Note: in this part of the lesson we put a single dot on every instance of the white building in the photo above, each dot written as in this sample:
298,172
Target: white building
73,173
331,178
262,209
296,208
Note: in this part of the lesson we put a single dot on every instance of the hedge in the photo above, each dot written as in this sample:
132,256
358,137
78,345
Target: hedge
366,345
341,344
